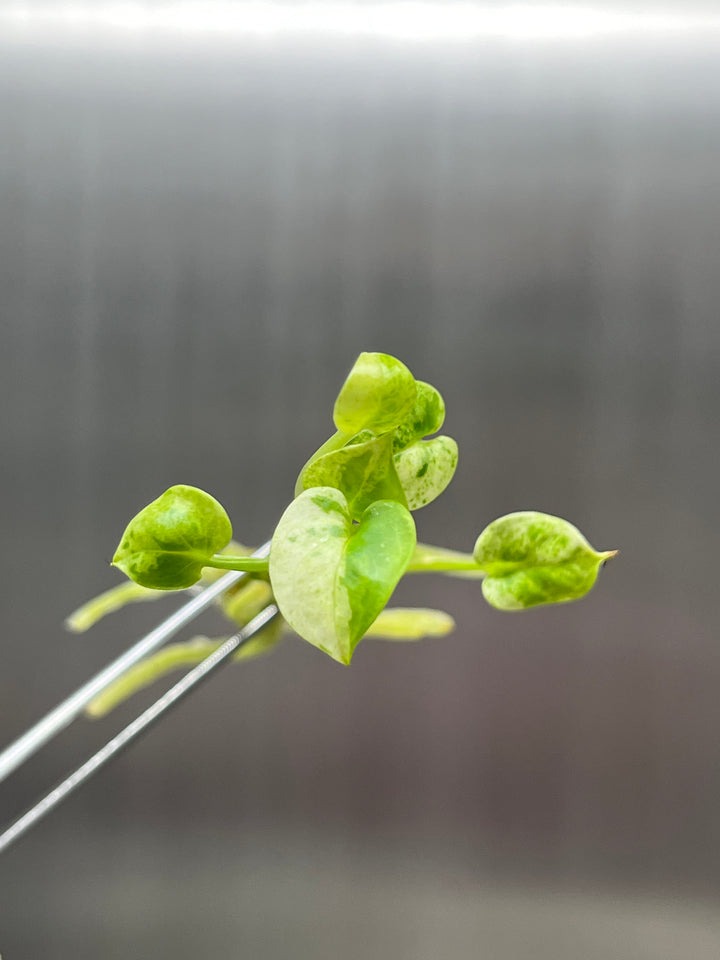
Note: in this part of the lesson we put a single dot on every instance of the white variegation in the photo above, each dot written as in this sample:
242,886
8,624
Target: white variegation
330,577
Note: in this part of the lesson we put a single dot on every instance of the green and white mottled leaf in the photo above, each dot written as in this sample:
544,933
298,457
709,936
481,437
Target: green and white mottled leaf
331,578
425,418
167,544
363,472
410,623
379,394
425,469
533,558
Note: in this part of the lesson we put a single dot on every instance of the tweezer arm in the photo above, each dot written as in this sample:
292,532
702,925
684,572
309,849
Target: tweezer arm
62,716
134,729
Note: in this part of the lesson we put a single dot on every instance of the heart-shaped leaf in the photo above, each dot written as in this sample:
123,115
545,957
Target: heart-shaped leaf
331,578
425,468
533,558
379,394
166,545
364,472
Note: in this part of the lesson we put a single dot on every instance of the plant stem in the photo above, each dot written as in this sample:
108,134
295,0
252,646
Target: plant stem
113,599
249,564
335,442
430,559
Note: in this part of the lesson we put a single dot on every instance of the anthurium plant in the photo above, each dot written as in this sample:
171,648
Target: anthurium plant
345,540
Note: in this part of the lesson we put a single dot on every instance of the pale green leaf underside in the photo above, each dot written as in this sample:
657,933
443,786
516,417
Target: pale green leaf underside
166,545
331,578
378,394
533,558
410,623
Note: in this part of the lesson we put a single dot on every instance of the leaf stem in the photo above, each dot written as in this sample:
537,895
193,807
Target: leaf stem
249,564
430,559
335,442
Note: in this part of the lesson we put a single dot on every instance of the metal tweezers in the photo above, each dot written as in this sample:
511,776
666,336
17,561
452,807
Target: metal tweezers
62,716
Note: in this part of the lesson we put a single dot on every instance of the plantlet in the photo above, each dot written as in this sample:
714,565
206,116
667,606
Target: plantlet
345,541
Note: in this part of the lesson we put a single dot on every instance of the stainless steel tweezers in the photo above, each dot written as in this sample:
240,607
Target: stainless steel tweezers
62,716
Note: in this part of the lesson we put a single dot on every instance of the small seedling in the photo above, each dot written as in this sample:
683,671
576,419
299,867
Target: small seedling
345,541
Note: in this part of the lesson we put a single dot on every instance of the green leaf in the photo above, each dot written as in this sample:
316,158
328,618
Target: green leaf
363,472
533,558
167,544
379,394
410,623
425,468
426,417
331,578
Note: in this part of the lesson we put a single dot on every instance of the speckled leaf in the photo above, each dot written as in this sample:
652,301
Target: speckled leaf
425,468
364,472
167,544
331,578
533,558
425,418
378,394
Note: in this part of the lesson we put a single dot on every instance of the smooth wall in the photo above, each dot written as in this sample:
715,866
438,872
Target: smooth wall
199,231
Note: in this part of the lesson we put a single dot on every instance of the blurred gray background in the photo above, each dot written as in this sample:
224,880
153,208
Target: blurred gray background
199,231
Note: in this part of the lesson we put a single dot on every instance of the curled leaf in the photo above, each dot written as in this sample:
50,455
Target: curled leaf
331,578
533,558
378,394
167,544
363,472
425,468
425,418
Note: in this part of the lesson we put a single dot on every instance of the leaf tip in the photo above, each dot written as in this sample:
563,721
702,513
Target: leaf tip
95,711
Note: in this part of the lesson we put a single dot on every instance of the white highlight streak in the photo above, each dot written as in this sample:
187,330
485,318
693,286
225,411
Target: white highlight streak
422,22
